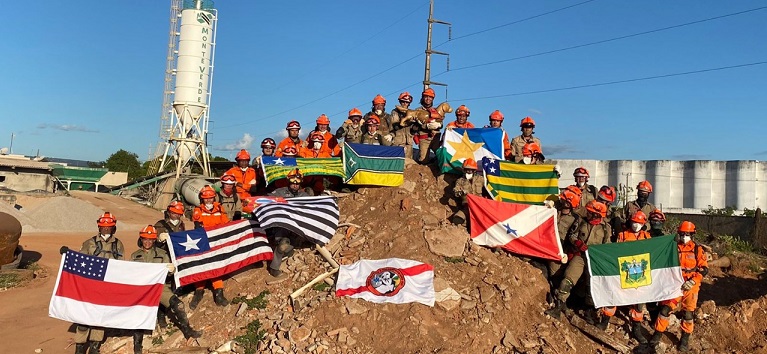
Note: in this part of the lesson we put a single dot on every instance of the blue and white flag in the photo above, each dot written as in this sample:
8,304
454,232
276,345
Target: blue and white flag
458,144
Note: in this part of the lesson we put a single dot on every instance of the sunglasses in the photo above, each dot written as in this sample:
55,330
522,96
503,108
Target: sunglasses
294,180
528,126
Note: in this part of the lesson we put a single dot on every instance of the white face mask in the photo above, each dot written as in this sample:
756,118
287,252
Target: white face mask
209,206
243,169
527,160
685,239
468,175
106,237
174,222
317,145
378,112
323,131
580,184
635,226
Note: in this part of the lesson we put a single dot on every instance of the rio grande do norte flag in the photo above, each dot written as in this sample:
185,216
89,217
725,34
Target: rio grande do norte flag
635,272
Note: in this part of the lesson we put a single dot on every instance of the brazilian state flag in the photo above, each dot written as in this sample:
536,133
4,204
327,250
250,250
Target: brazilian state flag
374,165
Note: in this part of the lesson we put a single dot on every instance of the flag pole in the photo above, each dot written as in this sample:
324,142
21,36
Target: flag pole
328,257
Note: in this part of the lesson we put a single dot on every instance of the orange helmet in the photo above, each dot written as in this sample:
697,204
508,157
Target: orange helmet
106,220
657,215
527,120
644,186
639,217
463,108
323,119
379,100
242,155
530,149
290,151
176,207
572,198
207,192
405,97
316,136
581,172
575,189
295,176
293,125
597,207
228,178
686,226
148,232
373,120
469,164
354,112
496,115
429,92
607,194
268,142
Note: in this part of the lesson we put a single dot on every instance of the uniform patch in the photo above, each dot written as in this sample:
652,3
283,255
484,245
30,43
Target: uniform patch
385,281
635,271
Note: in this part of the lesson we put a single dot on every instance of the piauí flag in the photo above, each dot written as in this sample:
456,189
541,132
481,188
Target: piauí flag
374,165
519,183
458,144
529,230
278,167
635,272
391,280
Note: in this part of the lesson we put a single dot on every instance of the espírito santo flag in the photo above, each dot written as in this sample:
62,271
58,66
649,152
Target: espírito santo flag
636,272
374,165
519,183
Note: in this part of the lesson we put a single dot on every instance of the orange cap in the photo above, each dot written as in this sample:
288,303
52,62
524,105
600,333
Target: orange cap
639,217
644,186
176,207
405,96
323,119
207,192
470,164
597,207
463,108
379,100
242,155
686,226
428,92
496,115
527,120
354,112
148,232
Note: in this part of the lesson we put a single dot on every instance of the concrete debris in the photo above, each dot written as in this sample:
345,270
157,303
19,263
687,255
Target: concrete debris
447,242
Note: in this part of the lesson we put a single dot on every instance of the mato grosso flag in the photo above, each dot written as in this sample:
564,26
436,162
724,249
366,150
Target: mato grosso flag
519,183
635,272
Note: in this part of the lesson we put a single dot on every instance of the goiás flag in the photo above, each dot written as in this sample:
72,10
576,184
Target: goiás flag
315,218
278,167
374,165
458,144
635,272
519,183
105,292
203,254
392,280
529,230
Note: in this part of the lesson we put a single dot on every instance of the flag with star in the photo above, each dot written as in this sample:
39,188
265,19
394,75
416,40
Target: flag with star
203,254
275,168
374,165
458,144
529,230
519,183
107,292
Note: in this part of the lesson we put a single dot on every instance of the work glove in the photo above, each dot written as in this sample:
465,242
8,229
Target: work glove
171,268
580,245
556,170
565,259
433,125
688,285
163,237
348,122
388,137
63,249
549,203
237,215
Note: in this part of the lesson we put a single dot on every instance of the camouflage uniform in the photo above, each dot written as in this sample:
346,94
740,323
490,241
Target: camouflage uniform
428,139
518,143
156,255
350,133
232,204
403,136
590,235
630,209
566,224
386,122
375,139
589,194
463,187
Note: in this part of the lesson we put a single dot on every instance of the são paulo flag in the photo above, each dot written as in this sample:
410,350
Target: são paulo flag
529,230
392,280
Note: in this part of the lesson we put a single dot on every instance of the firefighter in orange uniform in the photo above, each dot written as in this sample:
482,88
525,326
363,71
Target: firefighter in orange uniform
293,140
329,142
692,260
461,119
244,174
496,120
316,149
210,213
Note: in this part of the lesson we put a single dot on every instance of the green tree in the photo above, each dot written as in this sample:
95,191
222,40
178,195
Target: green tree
125,161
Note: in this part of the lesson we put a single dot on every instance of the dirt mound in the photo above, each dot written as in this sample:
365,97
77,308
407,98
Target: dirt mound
59,214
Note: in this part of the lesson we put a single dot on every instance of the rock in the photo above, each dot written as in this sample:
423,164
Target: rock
120,343
486,294
406,204
408,186
440,284
351,341
448,299
355,308
284,344
447,242
241,309
355,330
329,281
311,348
430,221
510,341
708,307
468,305
337,331
38,350
299,334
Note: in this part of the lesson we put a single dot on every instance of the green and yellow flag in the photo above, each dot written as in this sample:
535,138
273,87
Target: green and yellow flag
374,165
519,183
278,167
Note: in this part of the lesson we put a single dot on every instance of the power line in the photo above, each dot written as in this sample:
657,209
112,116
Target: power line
609,40
616,82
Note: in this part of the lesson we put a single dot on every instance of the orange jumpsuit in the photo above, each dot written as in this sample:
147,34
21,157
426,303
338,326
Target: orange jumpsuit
455,124
692,260
330,143
637,311
288,142
315,182
208,219
245,180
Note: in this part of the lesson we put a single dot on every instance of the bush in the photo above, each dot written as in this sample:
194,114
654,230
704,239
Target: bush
253,335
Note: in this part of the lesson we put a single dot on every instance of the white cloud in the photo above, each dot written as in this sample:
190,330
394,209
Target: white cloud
244,143
66,128
284,134
533,110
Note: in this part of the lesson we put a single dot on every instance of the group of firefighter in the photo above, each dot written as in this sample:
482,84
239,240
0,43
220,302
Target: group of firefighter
586,216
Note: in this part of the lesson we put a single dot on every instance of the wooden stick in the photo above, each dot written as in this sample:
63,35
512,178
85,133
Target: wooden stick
598,334
347,224
325,254
316,280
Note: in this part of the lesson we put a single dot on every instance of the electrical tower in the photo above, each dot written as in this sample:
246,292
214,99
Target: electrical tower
427,71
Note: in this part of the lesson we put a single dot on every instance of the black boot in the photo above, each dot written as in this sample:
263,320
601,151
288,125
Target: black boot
162,318
95,348
138,342
604,322
636,330
177,307
218,297
656,338
196,298
684,342
81,348
556,311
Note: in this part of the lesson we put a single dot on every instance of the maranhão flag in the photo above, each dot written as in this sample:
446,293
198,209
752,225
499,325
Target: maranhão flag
529,230
392,280
203,254
458,144
107,292
636,272
519,183
374,165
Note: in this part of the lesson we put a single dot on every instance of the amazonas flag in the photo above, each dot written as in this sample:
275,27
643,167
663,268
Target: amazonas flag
519,183
392,280
530,230
635,272
459,144
374,165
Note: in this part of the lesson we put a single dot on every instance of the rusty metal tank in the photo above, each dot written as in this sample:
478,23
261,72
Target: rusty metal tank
10,232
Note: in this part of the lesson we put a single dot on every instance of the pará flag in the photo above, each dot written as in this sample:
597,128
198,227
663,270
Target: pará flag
278,167
458,144
635,272
315,218
106,292
519,183
392,280
529,230
374,165
203,254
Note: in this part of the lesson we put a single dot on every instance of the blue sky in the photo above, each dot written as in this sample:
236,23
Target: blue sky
83,80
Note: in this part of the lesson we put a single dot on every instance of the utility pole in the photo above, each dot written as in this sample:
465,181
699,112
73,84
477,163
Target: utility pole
427,72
